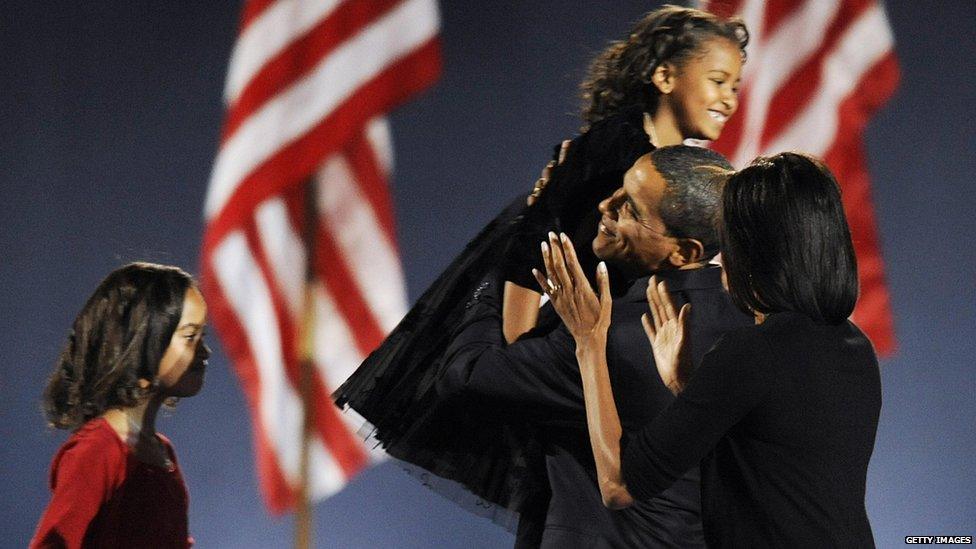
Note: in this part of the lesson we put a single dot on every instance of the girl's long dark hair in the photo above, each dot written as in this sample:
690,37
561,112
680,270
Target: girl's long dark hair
119,337
785,241
620,76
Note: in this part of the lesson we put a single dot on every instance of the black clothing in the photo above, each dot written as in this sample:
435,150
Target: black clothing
593,169
782,417
537,381
394,388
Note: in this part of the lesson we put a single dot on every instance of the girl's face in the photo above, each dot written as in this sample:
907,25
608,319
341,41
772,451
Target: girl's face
182,367
703,93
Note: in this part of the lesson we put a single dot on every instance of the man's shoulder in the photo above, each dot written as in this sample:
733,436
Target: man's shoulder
706,279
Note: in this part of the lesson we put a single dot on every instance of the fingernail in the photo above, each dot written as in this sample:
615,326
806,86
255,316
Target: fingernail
603,267
545,247
563,237
552,235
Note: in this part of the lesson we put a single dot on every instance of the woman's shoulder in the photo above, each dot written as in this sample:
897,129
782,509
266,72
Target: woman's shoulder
740,337
788,328
795,340
740,346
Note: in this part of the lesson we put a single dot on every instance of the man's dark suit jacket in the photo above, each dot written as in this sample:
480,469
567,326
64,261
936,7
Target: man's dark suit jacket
536,381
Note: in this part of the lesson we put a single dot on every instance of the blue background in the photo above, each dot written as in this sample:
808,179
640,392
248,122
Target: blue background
110,118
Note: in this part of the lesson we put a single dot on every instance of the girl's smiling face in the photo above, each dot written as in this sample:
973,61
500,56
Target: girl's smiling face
702,93
185,360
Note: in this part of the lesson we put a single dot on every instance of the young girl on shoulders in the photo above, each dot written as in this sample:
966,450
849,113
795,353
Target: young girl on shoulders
136,344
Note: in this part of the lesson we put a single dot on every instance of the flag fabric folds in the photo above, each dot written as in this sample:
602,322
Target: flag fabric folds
307,88
817,70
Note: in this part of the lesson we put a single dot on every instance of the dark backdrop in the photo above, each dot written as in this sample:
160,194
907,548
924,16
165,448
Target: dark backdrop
111,114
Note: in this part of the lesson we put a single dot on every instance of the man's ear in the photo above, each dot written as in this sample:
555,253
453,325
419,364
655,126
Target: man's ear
663,78
687,251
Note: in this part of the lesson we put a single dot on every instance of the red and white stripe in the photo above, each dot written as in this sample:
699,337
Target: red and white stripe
817,70
308,84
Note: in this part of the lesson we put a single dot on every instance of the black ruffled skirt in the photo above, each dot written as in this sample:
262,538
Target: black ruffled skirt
499,463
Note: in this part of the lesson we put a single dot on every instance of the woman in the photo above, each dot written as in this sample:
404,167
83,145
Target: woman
781,416
674,77
136,344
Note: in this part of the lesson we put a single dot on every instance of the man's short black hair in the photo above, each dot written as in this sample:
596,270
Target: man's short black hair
693,197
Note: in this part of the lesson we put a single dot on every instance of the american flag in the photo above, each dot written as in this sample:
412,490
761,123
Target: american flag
308,84
817,70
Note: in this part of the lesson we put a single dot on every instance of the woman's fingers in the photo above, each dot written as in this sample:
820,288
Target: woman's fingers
648,327
572,263
556,279
662,305
546,172
563,150
603,280
547,262
541,279
540,184
653,302
558,262
683,314
666,304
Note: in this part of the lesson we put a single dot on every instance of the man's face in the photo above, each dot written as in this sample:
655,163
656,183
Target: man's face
631,234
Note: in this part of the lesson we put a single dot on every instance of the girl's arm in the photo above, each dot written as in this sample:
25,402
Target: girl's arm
588,319
520,311
81,480
520,306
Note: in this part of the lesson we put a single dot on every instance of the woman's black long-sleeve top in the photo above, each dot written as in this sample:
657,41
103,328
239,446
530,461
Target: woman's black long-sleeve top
782,417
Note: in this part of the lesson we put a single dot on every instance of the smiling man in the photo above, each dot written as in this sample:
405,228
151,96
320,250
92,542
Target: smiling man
661,221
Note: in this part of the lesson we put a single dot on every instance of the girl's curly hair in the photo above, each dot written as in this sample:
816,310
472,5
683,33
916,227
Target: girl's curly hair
119,337
621,75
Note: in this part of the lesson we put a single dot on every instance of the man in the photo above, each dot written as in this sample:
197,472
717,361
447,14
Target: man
660,222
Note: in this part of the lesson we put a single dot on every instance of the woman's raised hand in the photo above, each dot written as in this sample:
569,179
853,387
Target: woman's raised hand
584,314
540,184
667,331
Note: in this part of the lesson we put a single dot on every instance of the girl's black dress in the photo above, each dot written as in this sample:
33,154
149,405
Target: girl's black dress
394,388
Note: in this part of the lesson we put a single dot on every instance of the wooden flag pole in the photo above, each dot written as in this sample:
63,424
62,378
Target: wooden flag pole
306,351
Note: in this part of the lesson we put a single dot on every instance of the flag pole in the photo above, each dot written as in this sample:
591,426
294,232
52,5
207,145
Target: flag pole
306,349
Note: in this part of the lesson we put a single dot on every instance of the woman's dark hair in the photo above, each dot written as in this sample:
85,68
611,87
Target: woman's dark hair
119,337
620,76
786,245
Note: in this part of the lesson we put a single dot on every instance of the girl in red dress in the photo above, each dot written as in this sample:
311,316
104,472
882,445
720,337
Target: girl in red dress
136,344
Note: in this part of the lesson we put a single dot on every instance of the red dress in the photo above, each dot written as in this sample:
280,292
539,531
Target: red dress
103,496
